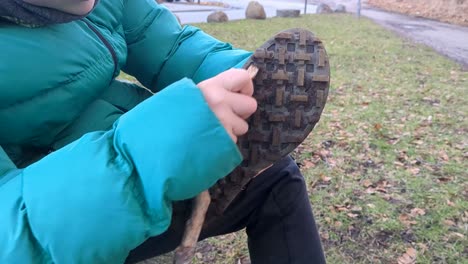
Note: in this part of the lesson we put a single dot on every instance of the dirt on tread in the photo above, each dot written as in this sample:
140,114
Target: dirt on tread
291,89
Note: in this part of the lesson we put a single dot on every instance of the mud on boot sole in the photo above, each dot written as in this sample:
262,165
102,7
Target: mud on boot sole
291,89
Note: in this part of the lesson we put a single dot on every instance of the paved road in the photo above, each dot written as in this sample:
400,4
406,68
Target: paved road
449,40
189,13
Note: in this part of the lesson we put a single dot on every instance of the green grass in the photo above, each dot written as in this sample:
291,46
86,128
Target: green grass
392,140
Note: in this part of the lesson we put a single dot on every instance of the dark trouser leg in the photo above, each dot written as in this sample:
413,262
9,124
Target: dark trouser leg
276,212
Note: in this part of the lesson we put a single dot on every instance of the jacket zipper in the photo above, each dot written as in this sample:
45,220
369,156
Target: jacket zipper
106,43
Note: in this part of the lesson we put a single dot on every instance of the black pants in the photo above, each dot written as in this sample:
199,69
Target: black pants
275,210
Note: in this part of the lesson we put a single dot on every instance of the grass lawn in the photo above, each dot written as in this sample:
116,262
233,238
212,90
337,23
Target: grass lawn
387,166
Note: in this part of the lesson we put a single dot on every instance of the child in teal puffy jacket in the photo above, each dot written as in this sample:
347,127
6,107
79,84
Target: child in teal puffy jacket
95,170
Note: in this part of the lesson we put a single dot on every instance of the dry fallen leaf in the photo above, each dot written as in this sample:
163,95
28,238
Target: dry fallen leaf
383,184
449,223
308,164
406,220
444,179
422,247
325,178
352,215
244,260
414,171
443,155
417,211
324,235
460,146
399,164
382,190
366,183
402,156
323,153
409,257
377,126
450,203
341,209
457,235
403,217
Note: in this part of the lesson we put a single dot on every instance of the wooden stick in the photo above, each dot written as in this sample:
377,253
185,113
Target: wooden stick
185,252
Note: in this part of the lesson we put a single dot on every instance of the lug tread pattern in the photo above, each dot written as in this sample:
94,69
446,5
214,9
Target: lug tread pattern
291,88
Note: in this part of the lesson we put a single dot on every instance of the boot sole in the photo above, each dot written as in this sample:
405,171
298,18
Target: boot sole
291,89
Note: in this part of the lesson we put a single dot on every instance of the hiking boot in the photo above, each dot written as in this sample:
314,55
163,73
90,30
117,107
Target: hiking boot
291,89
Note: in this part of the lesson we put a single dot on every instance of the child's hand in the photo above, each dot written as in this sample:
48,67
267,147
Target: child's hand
229,96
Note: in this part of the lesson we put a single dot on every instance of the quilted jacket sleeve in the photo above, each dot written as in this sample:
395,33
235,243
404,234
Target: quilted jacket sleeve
101,196
161,52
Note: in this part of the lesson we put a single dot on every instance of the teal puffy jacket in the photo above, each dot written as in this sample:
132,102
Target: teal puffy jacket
89,165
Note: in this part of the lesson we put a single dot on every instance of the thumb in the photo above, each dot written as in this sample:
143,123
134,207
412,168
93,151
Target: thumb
235,80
